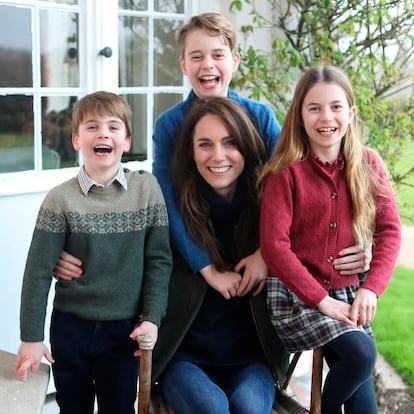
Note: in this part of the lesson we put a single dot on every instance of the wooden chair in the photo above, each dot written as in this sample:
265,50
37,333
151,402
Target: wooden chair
145,367
150,400
316,380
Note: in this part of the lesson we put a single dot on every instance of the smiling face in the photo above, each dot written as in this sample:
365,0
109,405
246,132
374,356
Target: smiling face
208,63
102,140
326,116
216,155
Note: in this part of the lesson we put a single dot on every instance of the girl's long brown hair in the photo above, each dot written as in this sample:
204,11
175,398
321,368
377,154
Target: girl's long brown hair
194,207
293,146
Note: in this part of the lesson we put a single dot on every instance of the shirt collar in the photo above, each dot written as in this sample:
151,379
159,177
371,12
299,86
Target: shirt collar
86,182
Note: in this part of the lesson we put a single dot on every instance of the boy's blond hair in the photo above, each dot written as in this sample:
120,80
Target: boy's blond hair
102,103
213,23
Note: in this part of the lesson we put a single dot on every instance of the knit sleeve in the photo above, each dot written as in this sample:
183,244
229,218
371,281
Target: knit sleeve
158,258
47,243
387,235
165,134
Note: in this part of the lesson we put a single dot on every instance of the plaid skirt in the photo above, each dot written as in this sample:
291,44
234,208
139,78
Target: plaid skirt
300,327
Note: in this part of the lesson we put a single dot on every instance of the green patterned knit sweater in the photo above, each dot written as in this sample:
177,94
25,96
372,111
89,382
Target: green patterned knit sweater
122,238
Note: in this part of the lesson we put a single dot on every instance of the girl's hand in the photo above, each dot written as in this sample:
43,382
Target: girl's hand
29,356
254,275
353,260
68,267
364,306
227,283
336,309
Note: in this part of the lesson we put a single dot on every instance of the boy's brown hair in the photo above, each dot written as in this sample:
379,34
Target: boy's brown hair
102,103
213,23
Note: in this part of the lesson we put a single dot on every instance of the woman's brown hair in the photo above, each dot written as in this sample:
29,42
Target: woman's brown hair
194,207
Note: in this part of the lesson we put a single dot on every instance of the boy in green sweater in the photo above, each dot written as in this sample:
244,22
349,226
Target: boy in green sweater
116,221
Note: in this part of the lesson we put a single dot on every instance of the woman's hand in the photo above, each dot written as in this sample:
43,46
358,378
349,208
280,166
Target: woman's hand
68,267
227,283
353,260
254,275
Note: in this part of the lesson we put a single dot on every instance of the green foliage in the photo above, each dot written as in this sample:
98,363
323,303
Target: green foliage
373,41
394,324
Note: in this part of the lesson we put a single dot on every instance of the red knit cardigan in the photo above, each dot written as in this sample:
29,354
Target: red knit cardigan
306,219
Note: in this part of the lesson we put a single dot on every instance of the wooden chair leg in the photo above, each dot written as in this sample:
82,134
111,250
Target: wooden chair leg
316,386
291,369
145,365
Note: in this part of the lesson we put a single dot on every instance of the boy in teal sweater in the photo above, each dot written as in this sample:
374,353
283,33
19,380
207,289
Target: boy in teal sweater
116,221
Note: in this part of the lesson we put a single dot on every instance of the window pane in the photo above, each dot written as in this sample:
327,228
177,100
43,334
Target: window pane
16,133
138,151
133,51
133,4
59,48
57,146
169,6
166,53
72,2
15,47
163,101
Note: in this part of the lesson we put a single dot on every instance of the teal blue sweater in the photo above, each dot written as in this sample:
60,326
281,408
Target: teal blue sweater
122,238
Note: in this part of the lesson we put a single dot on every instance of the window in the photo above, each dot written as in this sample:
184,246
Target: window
38,53
53,52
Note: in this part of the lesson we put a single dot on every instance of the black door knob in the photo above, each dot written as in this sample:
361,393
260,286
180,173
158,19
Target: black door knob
106,52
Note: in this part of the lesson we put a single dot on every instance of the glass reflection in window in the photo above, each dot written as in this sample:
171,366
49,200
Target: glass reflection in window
16,133
15,47
133,51
138,151
137,5
168,6
57,132
166,53
59,49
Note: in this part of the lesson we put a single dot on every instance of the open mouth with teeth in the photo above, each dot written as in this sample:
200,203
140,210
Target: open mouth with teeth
102,149
326,130
219,169
209,79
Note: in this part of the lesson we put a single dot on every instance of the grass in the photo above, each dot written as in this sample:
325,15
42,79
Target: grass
394,324
405,196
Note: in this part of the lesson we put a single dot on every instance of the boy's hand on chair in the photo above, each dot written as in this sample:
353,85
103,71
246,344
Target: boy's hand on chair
148,328
29,356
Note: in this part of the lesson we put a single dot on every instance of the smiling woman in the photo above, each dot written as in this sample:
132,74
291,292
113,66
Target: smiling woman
217,156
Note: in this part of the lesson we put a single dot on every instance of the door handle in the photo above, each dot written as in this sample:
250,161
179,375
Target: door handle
106,52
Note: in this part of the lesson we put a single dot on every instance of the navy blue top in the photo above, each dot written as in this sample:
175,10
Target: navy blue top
223,332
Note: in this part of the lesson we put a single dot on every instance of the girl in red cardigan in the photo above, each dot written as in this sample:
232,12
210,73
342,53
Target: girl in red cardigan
325,191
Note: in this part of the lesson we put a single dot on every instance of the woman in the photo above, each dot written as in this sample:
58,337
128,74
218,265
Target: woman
212,347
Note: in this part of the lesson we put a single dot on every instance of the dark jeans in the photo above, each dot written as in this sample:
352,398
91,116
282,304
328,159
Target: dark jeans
93,358
351,359
189,389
